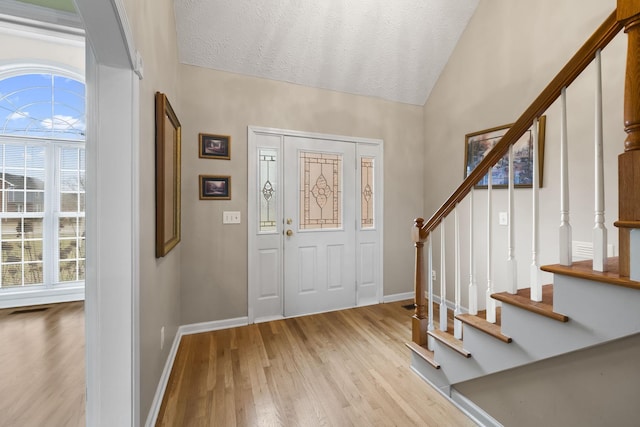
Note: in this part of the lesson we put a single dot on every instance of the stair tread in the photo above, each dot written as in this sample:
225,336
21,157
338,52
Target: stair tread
425,354
522,299
479,322
584,270
450,341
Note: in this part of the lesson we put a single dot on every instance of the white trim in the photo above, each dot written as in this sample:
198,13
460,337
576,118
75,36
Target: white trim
315,135
41,17
398,297
29,29
472,410
267,319
467,407
135,248
41,296
196,328
112,284
164,380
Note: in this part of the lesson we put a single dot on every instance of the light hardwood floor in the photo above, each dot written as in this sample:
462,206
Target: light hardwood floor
42,368
344,368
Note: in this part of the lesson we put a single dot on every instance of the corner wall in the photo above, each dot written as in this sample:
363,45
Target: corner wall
509,52
153,26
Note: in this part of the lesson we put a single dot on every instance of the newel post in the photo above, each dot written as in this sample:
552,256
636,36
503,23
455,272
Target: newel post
628,13
419,320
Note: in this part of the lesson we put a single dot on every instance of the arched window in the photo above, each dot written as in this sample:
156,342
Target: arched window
42,178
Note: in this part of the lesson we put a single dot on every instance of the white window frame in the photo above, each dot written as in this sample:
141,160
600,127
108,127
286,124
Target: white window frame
51,291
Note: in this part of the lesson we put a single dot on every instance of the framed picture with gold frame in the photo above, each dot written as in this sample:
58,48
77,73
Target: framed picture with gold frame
168,145
214,146
478,144
215,187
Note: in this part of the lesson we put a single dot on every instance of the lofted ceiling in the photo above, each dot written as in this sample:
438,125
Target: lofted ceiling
394,50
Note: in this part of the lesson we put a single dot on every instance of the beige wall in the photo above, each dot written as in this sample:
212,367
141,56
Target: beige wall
153,28
506,56
214,257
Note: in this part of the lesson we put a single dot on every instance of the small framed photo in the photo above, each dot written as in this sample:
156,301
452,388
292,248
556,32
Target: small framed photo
215,146
215,187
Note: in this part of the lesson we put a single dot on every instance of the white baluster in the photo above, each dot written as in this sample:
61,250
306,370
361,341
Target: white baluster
565,226
536,286
473,287
512,269
443,280
430,326
490,302
457,325
599,230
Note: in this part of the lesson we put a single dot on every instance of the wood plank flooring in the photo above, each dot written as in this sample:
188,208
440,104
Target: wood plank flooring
344,368
42,366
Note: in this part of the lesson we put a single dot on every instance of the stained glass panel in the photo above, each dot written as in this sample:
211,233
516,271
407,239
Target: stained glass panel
320,191
367,192
268,196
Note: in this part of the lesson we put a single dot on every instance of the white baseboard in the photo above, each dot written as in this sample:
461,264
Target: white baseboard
193,328
164,380
470,408
397,297
41,296
196,328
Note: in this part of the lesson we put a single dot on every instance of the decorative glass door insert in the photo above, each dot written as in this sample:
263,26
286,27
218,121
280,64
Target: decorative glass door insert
320,191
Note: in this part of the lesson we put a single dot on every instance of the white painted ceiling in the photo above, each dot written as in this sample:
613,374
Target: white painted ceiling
390,49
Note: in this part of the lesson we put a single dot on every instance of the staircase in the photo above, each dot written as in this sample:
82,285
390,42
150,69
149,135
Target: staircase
589,302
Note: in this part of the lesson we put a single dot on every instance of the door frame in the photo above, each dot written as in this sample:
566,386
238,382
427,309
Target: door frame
112,282
365,147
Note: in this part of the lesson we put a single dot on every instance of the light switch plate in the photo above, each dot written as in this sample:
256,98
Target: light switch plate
231,217
503,219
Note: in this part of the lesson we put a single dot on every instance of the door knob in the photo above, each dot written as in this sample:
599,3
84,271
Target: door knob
289,233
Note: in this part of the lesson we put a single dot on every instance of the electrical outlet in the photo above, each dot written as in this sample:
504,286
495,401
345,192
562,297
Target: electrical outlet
231,217
161,338
433,275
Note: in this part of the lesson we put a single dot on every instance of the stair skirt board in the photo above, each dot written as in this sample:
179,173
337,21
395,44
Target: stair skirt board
470,409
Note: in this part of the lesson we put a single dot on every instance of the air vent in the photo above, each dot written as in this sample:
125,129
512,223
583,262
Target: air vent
29,310
584,250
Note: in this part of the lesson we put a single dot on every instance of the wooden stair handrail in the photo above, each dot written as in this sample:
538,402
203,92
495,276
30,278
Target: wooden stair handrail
583,57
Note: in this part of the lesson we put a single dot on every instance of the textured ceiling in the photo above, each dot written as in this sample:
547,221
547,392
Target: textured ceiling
393,50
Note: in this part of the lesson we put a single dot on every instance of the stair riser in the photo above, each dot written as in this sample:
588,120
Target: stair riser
604,311
544,337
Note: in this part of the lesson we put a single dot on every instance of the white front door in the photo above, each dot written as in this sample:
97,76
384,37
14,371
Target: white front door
319,212
314,223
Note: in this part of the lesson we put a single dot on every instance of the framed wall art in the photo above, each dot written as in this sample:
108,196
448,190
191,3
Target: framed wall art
214,146
168,140
215,187
478,144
